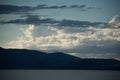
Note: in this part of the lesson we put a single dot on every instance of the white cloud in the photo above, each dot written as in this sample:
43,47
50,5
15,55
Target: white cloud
115,22
43,38
67,39
46,36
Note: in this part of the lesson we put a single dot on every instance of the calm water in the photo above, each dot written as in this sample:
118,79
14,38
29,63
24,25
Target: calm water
58,75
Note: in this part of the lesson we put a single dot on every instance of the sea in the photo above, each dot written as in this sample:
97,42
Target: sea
59,75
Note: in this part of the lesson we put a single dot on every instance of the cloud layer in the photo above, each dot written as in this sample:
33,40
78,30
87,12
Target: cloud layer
37,20
13,9
89,40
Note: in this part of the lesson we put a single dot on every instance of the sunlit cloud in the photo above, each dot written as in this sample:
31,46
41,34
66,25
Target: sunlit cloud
70,40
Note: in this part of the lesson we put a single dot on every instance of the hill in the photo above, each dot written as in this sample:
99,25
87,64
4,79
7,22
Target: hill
31,59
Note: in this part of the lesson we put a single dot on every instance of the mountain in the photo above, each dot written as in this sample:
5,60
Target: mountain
115,21
31,59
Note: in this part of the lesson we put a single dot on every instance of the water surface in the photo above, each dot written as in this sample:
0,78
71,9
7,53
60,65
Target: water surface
59,75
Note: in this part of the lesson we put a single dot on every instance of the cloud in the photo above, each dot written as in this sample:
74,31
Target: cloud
30,15
38,20
78,6
73,23
115,22
30,19
7,9
13,9
83,41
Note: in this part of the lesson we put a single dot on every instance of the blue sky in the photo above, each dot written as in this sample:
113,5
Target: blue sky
79,20
105,9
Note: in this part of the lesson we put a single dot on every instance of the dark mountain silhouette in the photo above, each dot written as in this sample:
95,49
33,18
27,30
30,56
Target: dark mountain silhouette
31,59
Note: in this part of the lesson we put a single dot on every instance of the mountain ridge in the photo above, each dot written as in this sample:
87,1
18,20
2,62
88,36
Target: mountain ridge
31,59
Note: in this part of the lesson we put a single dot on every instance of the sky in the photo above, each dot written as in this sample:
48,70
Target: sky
76,27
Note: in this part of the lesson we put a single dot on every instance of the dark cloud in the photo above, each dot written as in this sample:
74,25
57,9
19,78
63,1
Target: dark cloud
7,9
83,7
78,6
30,15
75,23
56,7
37,20
43,6
30,19
74,6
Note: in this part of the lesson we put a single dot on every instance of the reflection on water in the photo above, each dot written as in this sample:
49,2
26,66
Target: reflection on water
59,75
